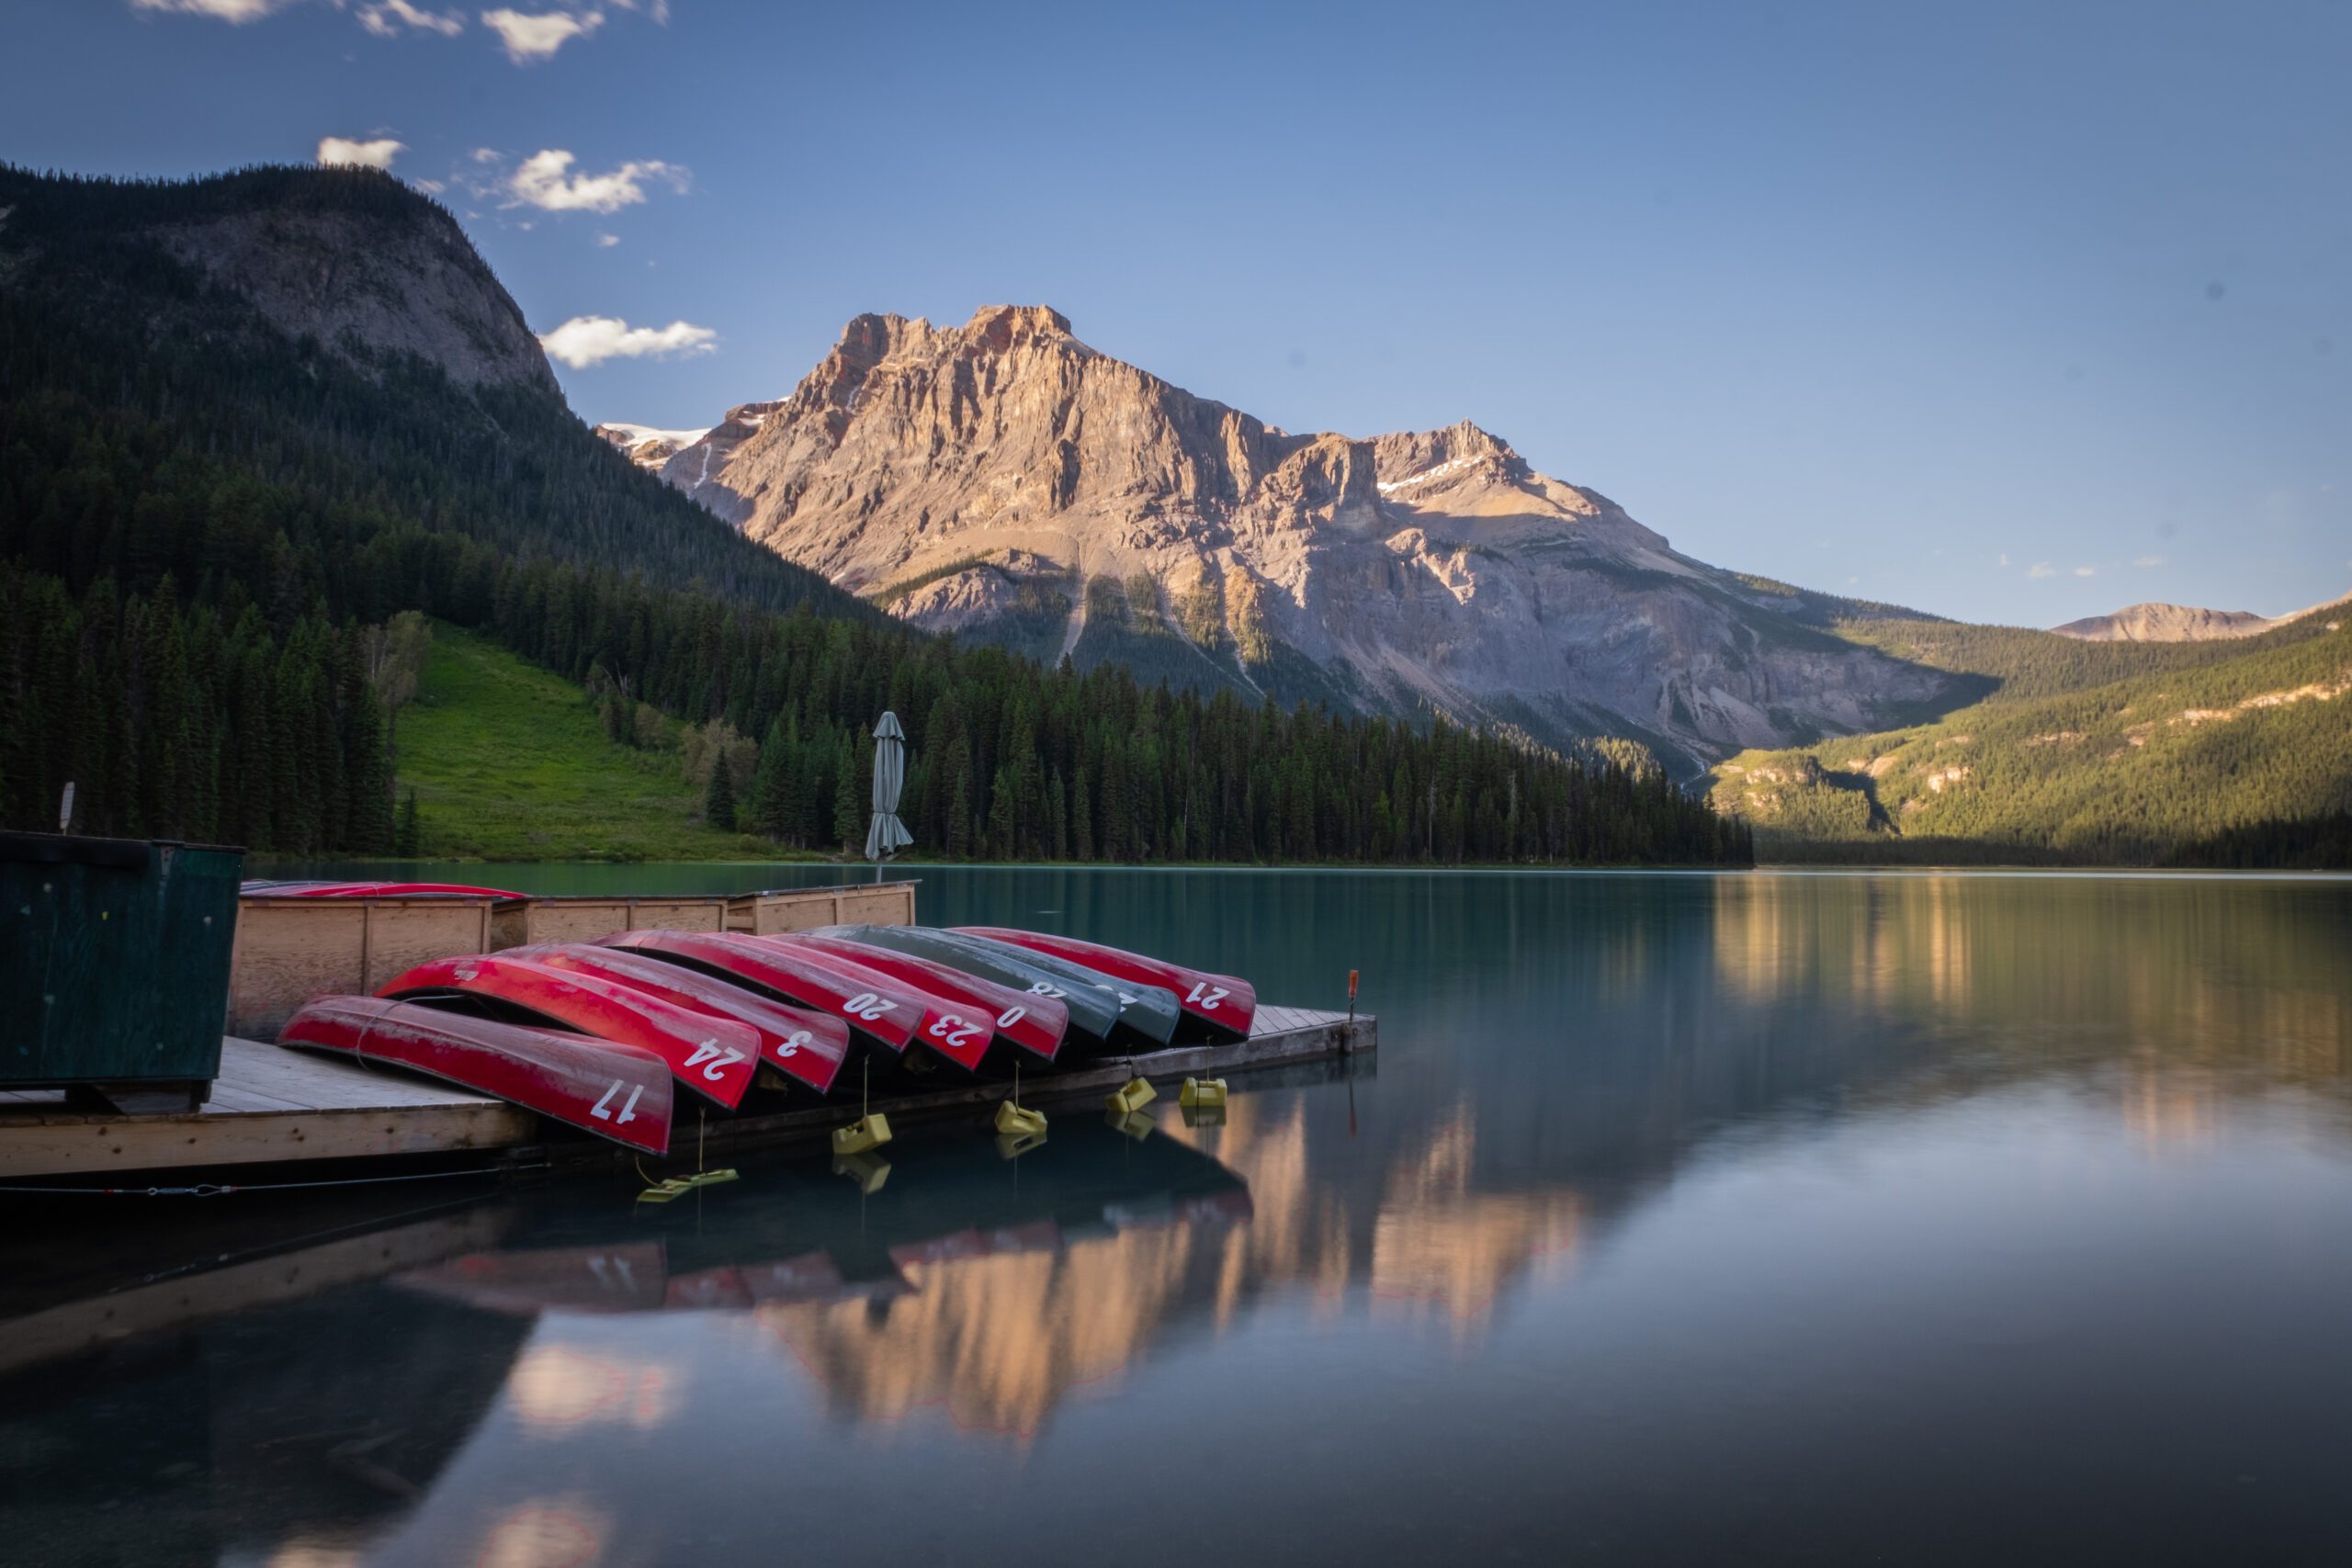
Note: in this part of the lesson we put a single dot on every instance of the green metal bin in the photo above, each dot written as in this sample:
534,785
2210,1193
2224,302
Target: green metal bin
114,960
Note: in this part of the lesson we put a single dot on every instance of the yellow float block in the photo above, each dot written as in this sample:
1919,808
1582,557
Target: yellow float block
679,1186
1133,1095
1201,1092
1014,1121
868,1132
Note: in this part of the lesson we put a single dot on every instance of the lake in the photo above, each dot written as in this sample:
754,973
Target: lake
1679,1218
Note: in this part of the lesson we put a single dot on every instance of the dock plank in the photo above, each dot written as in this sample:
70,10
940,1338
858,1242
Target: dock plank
273,1103
270,1103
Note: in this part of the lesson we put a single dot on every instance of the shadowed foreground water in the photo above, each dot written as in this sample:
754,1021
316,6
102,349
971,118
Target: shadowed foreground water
1680,1218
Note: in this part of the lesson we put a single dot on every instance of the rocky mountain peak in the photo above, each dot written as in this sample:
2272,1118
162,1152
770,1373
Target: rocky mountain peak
1002,481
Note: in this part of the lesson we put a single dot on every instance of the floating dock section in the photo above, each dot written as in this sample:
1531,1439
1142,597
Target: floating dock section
273,1105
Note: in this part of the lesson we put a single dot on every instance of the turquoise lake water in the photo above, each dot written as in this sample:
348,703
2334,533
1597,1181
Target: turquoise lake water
1769,1217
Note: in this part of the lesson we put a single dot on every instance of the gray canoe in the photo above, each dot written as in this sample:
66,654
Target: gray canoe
1100,1007
1151,1012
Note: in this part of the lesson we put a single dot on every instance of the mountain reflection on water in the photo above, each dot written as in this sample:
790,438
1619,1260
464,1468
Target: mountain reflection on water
1721,1216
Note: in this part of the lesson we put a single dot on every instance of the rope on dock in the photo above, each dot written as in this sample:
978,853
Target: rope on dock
215,1188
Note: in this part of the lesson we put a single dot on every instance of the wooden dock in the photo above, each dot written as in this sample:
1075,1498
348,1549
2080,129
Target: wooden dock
273,1105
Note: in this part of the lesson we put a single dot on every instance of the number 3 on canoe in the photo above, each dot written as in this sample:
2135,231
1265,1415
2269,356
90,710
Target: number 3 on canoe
798,1038
716,1070
1208,995
629,1109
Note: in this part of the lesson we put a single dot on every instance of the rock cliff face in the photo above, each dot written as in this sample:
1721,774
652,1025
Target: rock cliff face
2167,622
1003,480
406,282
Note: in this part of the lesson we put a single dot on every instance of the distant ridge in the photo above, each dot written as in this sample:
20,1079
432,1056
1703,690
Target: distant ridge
2158,622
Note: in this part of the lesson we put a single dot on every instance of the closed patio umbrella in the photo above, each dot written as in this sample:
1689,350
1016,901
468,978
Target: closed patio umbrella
886,835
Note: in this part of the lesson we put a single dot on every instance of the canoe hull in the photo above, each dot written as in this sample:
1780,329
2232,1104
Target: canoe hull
982,1009
889,1019
805,1045
1147,1015
716,1057
1217,1007
615,1091
1093,1007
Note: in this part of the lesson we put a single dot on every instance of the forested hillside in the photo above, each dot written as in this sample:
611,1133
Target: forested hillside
2120,771
200,516
2018,664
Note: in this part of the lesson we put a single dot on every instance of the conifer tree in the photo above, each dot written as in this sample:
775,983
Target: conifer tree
849,821
408,835
772,785
719,800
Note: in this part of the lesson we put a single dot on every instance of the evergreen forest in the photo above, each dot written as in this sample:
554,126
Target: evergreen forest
206,527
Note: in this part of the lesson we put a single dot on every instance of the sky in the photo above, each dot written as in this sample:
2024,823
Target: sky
2008,312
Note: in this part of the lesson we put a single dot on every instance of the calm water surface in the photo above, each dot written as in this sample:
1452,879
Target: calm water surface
1900,1218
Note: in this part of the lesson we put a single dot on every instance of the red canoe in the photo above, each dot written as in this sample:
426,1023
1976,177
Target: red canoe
1218,1007
808,1044
615,1091
876,1007
878,1010
716,1057
1034,1022
371,890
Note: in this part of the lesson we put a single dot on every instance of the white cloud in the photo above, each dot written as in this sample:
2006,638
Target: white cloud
532,37
542,181
608,239
2086,572
658,10
386,18
2152,560
2041,569
2004,557
236,13
375,155
584,341
430,187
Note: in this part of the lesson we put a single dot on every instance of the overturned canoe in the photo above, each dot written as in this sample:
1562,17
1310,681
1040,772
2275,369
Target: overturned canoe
1217,1007
371,890
615,1091
714,1056
800,1042
983,1010
882,1014
1147,1015
1093,1007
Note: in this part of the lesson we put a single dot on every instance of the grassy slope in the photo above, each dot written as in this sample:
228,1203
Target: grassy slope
2119,772
509,763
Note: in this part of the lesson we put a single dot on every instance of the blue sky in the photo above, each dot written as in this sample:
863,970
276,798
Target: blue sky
2010,312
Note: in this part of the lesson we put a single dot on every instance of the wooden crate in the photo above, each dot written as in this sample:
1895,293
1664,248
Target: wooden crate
805,909
290,950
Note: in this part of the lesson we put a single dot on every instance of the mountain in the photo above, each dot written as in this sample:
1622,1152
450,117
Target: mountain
647,447
2165,623
246,421
2258,731
2157,622
1004,482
